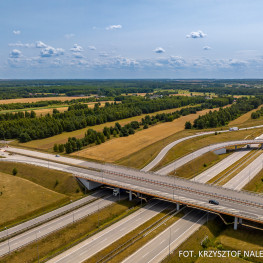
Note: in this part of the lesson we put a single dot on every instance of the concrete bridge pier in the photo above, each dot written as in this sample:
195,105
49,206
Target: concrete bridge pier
130,195
240,221
220,151
177,206
235,223
89,184
235,147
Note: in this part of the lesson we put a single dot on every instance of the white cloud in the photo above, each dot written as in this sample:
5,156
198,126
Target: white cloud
16,32
92,47
51,52
197,34
159,50
76,48
68,36
112,27
15,53
40,44
19,44
206,48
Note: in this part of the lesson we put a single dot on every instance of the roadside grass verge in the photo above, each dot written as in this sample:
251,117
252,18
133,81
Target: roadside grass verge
20,199
194,144
64,238
256,184
58,181
235,168
198,165
137,244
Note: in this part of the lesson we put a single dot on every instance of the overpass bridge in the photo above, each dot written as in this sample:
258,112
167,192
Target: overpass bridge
240,204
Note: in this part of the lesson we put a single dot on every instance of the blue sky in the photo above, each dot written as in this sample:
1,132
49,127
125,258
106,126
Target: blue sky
131,39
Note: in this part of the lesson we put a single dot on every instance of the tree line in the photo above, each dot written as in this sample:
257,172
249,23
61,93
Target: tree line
94,137
222,117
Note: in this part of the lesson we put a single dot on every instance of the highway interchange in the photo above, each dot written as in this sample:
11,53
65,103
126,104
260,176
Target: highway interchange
202,178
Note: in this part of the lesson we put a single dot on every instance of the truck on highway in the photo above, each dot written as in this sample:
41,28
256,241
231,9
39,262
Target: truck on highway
233,129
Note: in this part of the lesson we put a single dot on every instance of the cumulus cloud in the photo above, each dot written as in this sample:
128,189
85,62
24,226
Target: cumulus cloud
40,44
68,36
15,53
16,32
112,27
92,47
19,44
51,52
159,50
206,48
197,34
76,48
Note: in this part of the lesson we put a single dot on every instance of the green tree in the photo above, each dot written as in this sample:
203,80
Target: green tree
61,148
55,147
188,125
14,172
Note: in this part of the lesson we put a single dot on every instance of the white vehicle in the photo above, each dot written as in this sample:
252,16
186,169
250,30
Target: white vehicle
116,191
233,129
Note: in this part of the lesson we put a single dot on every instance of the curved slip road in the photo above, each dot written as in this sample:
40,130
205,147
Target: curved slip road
167,148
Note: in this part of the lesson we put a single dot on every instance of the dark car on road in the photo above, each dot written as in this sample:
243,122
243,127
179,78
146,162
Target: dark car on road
214,202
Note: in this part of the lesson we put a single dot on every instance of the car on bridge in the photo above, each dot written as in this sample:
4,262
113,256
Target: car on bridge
214,202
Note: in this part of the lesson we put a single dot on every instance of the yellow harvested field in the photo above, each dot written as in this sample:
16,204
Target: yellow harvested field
50,110
118,148
243,118
29,100
20,197
48,143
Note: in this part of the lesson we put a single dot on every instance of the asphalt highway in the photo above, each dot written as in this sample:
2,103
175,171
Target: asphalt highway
159,247
53,225
55,213
101,240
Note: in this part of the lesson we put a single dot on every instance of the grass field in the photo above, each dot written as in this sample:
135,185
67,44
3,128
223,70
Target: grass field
58,181
29,100
63,238
198,165
48,143
21,198
194,144
256,184
118,148
243,119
